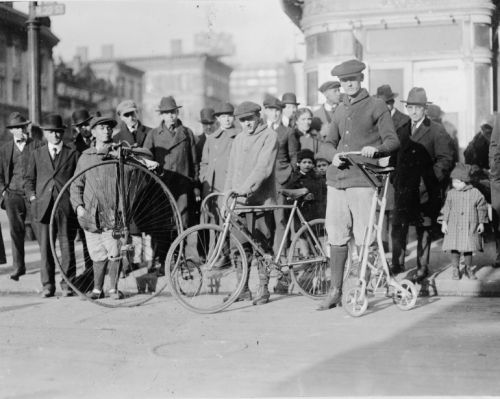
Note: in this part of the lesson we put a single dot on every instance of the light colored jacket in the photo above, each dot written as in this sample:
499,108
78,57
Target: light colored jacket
251,165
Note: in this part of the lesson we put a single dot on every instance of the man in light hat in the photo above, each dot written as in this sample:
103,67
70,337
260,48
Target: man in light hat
83,138
14,158
435,140
360,123
256,145
50,168
290,106
131,128
331,91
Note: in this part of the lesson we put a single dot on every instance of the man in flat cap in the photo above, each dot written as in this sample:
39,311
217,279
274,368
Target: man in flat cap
433,137
360,123
288,148
256,145
131,128
290,106
50,168
331,91
14,158
83,138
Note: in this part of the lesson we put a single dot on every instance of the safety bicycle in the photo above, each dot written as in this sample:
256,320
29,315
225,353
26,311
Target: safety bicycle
132,209
209,268
374,275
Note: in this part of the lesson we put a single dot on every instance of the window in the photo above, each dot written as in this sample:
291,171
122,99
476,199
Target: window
3,50
17,56
3,89
330,43
312,88
482,35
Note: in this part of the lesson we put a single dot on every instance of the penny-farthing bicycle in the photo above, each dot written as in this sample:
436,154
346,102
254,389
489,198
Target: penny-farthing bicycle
132,209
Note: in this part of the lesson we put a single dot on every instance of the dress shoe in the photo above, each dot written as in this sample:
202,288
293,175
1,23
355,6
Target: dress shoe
46,293
95,295
16,275
333,299
116,295
245,295
422,273
397,269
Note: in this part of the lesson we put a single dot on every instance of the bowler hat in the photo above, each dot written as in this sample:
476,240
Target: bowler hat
16,120
462,172
102,120
417,96
331,84
272,102
168,104
348,68
207,116
247,108
289,98
385,93
224,108
126,106
53,122
80,117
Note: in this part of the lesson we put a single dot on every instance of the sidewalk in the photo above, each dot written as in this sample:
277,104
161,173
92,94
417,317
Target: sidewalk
439,282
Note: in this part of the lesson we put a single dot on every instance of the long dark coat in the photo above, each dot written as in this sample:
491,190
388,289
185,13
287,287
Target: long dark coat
463,211
125,135
286,160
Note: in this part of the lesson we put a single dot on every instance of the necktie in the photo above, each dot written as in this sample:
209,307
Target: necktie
413,127
54,153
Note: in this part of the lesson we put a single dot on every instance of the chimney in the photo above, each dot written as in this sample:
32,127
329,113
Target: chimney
107,51
176,46
83,53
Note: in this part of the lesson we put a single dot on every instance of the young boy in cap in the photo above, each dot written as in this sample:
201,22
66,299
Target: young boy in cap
14,158
250,173
50,168
360,123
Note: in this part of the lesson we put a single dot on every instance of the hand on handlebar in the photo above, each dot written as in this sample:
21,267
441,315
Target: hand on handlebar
368,151
337,160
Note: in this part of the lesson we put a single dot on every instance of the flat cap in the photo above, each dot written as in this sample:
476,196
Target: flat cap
348,68
331,84
102,120
224,108
126,106
247,108
272,102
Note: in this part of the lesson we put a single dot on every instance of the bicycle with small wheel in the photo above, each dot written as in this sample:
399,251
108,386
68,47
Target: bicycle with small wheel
134,212
205,275
374,274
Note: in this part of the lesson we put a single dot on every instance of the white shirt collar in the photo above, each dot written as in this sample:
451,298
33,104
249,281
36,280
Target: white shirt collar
286,121
329,107
57,147
20,145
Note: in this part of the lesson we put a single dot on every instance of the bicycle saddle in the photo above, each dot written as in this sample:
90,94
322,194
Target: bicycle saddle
294,193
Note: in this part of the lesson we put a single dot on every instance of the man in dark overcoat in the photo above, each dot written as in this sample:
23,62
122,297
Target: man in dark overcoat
433,137
331,91
14,158
494,156
130,127
50,168
83,138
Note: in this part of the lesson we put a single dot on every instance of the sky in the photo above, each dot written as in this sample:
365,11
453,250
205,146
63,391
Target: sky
261,30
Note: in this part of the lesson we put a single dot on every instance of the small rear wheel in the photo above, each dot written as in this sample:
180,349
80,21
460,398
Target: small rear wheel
405,297
309,247
201,280
354,301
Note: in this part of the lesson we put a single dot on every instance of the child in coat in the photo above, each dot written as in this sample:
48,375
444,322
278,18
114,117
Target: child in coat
322,165
464,214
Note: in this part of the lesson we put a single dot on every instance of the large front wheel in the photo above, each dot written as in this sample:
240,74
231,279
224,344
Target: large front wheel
207,271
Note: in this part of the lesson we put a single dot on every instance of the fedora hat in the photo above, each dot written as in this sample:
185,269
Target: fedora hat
80,117
168,104
289,98
16,120
225,108
417,96
385,93
102,120
53,122
207,116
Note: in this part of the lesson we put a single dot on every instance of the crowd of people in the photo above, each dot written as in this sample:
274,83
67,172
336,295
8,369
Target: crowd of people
258,151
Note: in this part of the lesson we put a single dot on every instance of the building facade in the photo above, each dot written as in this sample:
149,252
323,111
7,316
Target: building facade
14,65
444,46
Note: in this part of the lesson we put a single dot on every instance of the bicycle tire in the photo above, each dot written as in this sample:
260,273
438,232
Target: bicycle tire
153,216
219,287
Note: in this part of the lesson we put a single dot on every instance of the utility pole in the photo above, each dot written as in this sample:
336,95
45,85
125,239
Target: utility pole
33,27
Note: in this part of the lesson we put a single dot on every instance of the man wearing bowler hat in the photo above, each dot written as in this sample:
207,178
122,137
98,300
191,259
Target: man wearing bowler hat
399,119
50,167
290,105
433,137
360,123
131,128
83,138
14,158
207,120
256,145
331,91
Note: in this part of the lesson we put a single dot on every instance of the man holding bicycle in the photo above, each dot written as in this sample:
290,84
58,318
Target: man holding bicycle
360,123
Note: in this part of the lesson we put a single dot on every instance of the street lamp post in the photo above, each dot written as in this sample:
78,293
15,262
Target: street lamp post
33,27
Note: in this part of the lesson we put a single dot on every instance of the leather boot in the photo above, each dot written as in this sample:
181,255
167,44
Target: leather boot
99,274
338,258
263,292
